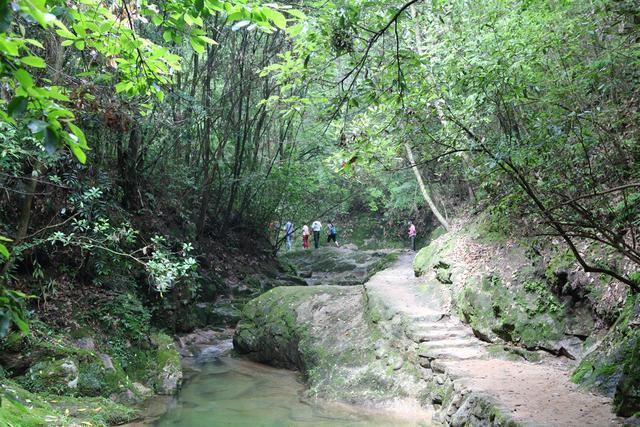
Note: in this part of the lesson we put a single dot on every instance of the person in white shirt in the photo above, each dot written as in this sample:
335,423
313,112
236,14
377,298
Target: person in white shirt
316,227
288,234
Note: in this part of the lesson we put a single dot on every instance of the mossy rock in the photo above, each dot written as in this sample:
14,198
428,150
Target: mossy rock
515,315
627,395
337,260
168,376
425,259
325,332
95,379
86,376
56,376
614,366
19,407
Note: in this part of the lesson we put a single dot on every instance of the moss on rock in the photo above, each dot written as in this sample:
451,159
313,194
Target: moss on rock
500,290
325,332
20,407
613,367
168,373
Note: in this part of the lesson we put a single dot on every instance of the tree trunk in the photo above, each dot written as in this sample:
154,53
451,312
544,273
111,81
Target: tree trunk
423,189
129,169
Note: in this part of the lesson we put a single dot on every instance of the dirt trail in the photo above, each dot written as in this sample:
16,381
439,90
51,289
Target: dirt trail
531,393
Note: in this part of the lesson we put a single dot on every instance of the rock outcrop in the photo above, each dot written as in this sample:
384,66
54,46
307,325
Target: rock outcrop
344,266
506,293
324,332
613,367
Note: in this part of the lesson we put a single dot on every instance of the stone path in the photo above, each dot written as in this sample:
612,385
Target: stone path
538,394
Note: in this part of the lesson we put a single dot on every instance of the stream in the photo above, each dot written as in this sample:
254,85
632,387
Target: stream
225,391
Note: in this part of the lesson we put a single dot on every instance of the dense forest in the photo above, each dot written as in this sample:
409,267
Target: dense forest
152,151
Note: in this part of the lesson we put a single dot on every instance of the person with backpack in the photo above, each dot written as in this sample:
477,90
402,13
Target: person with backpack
316,226
332,233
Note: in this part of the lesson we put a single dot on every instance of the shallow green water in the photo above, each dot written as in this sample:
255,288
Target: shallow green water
231,392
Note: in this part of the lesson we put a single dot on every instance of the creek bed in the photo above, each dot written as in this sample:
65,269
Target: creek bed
225,391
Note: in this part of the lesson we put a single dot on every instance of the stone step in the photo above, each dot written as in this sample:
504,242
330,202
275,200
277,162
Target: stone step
450,343
442,334
425,331
454,353
428,317
443,324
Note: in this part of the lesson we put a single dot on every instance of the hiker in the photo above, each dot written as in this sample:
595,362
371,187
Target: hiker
305,236
412,235
288,234
316,227
332,233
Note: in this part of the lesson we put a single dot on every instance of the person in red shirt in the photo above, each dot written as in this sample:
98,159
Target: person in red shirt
305,236
412,235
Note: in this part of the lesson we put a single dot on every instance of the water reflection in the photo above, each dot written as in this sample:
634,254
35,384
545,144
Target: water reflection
231,392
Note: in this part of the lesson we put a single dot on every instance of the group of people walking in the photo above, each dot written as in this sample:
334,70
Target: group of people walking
316,228
332,234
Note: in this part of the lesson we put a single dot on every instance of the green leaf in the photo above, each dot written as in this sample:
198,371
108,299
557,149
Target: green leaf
278,18
236,16
79,45
197,44
207,40
214,5
17,106
66,34
124,86
4,251
20,321
38,11
34,42
25,79
82,139
297,14
33,61
78,152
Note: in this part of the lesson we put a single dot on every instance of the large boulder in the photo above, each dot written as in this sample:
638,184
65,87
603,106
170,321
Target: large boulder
324,332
